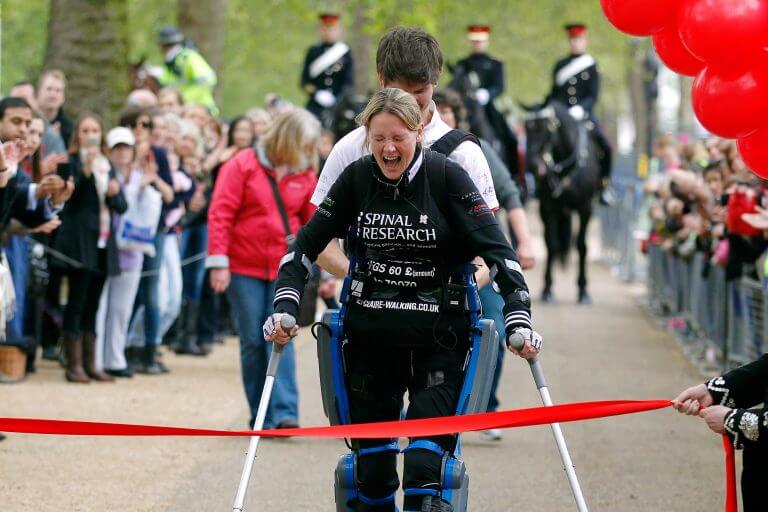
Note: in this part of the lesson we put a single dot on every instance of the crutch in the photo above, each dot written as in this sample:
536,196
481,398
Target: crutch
516,341
286,322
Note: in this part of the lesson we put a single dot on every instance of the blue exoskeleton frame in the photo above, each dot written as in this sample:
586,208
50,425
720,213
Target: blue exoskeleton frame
479,368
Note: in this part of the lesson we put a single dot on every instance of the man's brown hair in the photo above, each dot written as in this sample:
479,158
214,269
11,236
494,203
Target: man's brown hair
409,55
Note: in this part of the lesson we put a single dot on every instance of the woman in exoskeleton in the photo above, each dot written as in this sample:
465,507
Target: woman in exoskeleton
414,220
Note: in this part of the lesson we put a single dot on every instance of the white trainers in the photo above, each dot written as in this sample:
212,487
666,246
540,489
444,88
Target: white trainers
493,434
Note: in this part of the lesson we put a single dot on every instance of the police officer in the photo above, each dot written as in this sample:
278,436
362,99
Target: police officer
576,84
724,402
186,70
328,71
414,219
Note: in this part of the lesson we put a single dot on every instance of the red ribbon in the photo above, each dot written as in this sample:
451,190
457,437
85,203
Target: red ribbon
731,499
390,429
409,428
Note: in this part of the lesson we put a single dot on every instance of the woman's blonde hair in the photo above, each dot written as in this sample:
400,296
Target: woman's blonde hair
393,101
189,129
291,135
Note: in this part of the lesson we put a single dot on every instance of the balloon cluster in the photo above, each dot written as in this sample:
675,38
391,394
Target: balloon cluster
723,44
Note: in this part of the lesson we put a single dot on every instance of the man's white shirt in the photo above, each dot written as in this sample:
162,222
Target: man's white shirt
352,147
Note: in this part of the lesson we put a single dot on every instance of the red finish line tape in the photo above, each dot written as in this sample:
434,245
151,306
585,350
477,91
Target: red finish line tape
407,428
561,413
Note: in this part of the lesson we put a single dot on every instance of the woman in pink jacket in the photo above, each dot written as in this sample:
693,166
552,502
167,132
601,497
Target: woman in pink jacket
260,201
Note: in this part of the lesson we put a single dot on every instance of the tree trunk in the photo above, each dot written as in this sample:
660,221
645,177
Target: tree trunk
204,23
360,43
88,41
641,109
685,116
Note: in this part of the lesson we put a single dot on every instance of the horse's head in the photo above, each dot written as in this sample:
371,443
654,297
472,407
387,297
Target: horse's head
464,81
548,129
140,77
541,126
345,112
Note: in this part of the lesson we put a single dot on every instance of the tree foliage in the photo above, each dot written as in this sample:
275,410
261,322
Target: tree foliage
265,40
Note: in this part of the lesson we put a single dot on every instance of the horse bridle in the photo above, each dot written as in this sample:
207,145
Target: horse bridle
553,124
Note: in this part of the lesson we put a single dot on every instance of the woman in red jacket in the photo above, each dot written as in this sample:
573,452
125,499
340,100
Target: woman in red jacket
260,201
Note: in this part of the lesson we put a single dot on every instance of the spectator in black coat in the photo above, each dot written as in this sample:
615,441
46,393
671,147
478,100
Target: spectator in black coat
86,240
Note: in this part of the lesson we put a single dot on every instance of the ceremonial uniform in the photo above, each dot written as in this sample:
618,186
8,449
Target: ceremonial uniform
489,71
576,81
576,84
489,74
741,389
411,239
328,73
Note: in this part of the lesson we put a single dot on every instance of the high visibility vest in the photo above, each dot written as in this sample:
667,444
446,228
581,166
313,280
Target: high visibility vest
193,77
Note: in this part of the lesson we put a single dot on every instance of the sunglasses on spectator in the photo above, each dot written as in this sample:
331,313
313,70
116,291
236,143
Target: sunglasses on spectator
145,124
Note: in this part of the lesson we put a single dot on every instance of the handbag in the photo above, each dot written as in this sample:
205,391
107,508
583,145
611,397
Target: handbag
138,225
308,304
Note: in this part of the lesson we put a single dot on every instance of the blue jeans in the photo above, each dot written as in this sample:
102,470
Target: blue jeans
251,301
18,262
148,294
194,240
493,306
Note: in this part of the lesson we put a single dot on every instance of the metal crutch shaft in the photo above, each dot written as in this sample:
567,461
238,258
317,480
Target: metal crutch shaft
287,323
516,341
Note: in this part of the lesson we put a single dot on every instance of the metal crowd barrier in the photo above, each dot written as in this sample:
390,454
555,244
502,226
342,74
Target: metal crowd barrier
720,324
618,225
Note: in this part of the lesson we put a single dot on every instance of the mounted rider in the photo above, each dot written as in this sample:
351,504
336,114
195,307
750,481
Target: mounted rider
328,71
576,84
186,70
487,75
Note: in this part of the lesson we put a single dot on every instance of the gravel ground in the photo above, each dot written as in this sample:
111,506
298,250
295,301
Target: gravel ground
646,462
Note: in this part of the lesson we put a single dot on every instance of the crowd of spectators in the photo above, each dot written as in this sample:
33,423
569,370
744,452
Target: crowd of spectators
119,269
704,199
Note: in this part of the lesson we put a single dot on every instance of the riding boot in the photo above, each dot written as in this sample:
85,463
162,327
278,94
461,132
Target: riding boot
73,350
188,345
89,359
149,365
133,357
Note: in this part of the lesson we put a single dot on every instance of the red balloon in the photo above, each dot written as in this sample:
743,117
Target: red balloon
640,17
719,31
731,103
754,152
674,54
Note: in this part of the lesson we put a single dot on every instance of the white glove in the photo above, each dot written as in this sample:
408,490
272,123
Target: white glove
483,96
269,326
528,335
577,112
325,98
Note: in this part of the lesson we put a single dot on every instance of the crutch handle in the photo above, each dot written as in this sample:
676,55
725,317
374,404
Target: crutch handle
516,341
287,322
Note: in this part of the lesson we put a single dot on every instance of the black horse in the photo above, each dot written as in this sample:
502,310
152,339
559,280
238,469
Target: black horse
562,155
343,114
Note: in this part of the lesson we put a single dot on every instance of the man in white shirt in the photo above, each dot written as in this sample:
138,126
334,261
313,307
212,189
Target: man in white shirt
411,60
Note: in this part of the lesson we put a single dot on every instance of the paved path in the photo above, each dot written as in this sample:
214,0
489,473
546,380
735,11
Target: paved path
611,350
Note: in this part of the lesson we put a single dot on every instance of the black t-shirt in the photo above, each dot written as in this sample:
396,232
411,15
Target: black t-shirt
412,239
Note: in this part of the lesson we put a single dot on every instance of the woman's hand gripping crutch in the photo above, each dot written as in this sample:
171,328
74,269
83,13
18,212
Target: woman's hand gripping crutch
279,329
